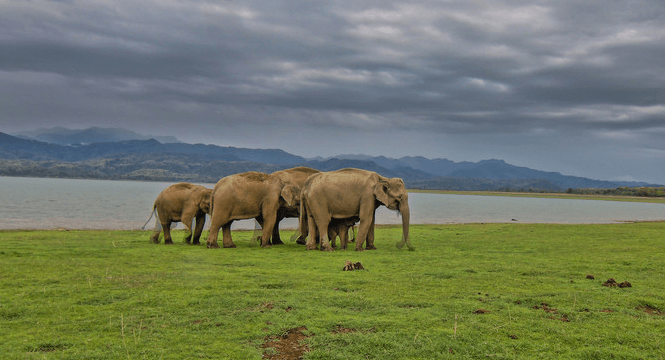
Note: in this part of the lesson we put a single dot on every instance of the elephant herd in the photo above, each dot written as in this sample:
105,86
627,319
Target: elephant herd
326,203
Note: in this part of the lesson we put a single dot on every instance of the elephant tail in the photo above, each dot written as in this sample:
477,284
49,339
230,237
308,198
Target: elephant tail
154,209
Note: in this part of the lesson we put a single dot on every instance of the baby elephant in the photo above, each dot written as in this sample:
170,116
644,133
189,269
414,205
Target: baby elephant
340,227
182,202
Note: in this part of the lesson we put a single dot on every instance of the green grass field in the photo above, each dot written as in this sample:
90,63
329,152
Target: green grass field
510,291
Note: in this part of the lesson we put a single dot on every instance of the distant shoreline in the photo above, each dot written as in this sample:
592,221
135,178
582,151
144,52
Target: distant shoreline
657,200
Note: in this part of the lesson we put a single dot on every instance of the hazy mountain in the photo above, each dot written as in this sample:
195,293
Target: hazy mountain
12,147
153,160
444,170
64,136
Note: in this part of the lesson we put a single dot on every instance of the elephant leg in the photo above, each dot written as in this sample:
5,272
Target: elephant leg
155,236
200,221
370,235
343,236
187,221
332,236
166,227
276,239
304,230
269,219
211,242
312,236
322,222
226,235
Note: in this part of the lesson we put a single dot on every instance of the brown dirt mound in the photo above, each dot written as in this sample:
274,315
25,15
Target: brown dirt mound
288,346
613,283
349,266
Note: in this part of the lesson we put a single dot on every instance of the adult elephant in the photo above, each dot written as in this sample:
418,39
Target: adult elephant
349,193
295,177
245,196
182,202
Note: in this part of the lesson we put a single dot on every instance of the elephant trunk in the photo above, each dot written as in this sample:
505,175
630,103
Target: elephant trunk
406,218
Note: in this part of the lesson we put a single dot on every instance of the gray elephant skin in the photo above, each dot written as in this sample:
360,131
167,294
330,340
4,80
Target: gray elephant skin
295,177
182,202
245,196
349,193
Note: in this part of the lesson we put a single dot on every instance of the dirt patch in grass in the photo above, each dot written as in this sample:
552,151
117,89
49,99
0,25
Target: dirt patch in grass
651,310
343,330
288,346
550,310
545,308
481,312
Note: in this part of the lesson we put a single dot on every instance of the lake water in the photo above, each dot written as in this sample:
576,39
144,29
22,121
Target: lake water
34,203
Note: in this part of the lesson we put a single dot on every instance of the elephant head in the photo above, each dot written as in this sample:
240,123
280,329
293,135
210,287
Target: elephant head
291,195
391,192
204,201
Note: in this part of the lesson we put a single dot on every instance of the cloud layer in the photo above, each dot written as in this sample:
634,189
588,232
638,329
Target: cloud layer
567,86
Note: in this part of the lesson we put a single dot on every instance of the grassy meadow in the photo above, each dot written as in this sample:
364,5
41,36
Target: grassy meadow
507,291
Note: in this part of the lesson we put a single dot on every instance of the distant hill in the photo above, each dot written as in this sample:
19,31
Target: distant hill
492,169
64,136
155,161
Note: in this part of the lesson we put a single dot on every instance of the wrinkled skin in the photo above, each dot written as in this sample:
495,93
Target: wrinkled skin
182,202
295,177
349,193
245,196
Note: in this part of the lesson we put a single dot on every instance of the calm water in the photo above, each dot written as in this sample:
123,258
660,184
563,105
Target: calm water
31,203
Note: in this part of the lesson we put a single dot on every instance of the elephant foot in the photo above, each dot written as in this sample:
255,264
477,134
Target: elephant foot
154,240
213,245
266,245
311,247
372,247
277,242
231,246
327,248
359,249
168,242
301,241
196,243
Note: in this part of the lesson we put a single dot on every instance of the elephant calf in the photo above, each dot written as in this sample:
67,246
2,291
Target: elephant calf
340,228
182,202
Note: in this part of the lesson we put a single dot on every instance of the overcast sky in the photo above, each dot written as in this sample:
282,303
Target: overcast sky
576,87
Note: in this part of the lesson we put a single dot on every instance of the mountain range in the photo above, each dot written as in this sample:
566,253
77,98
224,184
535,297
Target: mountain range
99,153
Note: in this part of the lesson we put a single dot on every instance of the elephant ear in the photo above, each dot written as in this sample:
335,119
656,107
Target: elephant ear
204,203
290,194
381,192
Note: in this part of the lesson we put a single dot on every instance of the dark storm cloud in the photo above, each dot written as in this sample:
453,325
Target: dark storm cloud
542,70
